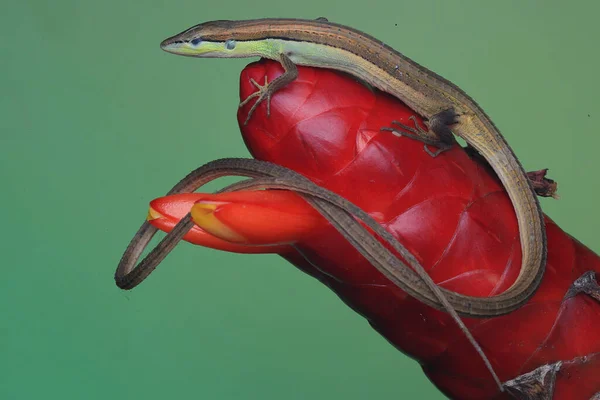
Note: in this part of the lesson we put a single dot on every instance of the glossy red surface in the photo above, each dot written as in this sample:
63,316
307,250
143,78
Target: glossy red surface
450,211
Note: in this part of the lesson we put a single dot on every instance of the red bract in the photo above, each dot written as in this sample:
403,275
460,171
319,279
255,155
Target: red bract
449,211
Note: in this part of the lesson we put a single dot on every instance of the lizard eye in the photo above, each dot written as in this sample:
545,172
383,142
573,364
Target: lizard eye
195,42
230,44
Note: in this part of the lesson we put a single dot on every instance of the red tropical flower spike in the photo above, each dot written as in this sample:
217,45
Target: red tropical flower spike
449,211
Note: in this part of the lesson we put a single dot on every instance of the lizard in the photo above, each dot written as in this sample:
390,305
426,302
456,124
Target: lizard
447,109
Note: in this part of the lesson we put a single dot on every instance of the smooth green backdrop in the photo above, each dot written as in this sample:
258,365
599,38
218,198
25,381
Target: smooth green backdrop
97,121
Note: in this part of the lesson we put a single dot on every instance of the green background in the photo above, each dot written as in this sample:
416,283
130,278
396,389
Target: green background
97,121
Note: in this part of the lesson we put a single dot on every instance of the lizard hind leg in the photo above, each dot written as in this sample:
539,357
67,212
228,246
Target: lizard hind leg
440,124
432,138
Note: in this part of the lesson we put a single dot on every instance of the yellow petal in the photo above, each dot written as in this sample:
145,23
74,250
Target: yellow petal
203,214
153,214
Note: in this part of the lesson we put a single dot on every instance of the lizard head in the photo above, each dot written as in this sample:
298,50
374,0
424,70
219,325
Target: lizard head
214,39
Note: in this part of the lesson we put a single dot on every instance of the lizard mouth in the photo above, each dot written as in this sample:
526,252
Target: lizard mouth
191,48
178,47
171,45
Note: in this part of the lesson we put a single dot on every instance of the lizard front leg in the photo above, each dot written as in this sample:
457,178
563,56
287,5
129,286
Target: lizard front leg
268,89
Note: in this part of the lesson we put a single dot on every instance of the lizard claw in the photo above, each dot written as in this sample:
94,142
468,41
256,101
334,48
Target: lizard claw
264,92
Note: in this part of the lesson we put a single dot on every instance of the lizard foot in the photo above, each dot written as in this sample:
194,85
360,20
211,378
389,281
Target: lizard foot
544,187
264,92
268,89
420,134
